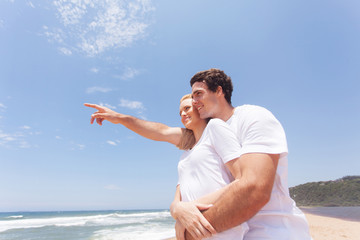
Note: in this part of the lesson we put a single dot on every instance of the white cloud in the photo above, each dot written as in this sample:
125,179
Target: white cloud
81,146
95,26
111,143
98,89
129,73
77,146
107,105
112,187
65,51
24,144
2,106
17,139
58,137
29,3
94,70
55,35
14,140
131,104
5,138
1,23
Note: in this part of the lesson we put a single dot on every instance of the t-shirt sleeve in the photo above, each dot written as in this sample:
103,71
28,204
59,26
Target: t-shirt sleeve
224,140
262,133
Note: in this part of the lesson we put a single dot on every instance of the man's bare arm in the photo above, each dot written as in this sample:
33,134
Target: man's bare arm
151,130
254,178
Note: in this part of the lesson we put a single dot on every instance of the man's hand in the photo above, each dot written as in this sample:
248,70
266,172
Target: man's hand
103,113
189,216
254,175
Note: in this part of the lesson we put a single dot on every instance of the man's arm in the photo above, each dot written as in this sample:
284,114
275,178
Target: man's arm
254,175
151,130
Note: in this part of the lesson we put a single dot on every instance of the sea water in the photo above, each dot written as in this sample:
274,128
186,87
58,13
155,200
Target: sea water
112,225
346,213
89,225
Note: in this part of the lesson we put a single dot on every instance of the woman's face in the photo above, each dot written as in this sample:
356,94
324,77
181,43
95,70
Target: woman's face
189,115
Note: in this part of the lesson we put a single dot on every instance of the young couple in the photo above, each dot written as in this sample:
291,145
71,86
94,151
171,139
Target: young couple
237,162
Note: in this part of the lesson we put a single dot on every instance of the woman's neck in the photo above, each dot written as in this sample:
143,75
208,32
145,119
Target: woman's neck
198,130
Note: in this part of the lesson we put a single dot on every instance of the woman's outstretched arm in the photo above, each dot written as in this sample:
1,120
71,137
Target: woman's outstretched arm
151,130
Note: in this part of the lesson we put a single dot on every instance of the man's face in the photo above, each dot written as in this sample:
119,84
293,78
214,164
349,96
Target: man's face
204,100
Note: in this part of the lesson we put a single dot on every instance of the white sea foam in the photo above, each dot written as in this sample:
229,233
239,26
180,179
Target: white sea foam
14,217
112,219
148,232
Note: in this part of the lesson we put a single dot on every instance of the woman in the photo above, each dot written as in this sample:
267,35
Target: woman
202,170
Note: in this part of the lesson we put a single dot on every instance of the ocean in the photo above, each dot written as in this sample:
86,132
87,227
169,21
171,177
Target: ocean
112,225
87,225
345,213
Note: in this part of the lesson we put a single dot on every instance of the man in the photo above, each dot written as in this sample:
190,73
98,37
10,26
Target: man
259,194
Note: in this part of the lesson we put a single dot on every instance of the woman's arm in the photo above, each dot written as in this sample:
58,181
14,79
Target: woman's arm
151,130
176,200
188,216
179,228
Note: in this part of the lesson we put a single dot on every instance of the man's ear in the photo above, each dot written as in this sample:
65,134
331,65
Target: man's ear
219,91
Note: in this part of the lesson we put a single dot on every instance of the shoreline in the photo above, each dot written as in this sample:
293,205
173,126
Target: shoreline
349,213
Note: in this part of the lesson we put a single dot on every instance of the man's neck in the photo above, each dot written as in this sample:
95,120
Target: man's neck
226,111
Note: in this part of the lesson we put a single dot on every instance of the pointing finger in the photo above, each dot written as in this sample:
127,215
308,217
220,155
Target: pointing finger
93,106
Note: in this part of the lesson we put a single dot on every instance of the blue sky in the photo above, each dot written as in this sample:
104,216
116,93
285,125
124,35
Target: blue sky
299,59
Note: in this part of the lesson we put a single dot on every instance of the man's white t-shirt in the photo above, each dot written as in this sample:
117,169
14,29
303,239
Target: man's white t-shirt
258,131
202,169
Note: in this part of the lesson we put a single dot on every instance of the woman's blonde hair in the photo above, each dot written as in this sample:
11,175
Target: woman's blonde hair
187,140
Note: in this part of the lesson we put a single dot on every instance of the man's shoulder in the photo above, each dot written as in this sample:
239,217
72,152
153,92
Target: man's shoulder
249,107
247,110
217,123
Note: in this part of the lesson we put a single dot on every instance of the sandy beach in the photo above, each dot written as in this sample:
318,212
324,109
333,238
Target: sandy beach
325,228
328,228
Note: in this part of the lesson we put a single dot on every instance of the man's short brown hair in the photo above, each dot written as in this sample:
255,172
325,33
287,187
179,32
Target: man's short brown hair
213,79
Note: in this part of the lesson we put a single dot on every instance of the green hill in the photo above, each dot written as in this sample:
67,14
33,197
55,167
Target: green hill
341,192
